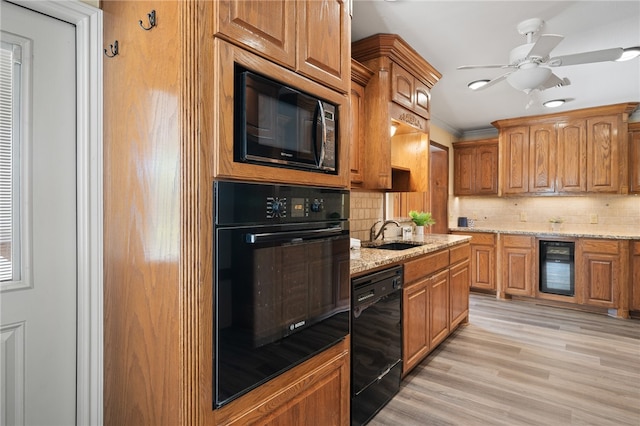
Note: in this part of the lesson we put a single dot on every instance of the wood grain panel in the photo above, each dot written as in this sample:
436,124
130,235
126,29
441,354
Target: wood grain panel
267,28
486,176
464,167
142,198
603,154
483,267
634,304
415,317
402,90
542,158
438,308
516,164
459,253
482,238
358,119
634,157
425,265
459,282
572,156
324,51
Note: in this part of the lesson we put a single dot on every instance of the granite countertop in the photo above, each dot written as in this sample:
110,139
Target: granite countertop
571,231
366,258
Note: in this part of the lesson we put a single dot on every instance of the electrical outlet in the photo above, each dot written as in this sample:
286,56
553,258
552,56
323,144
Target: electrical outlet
523,216
593,218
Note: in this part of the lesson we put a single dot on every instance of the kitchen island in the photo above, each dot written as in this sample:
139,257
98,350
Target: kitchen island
435,293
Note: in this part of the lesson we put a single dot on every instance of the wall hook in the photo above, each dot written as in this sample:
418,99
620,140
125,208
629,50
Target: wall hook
114,50
152,21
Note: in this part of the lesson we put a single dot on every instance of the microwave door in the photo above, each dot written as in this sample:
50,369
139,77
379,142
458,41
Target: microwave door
319,134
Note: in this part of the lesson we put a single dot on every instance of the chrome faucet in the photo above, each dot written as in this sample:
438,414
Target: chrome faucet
372,232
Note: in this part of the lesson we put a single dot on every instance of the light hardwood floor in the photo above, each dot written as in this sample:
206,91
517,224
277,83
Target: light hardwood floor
519,363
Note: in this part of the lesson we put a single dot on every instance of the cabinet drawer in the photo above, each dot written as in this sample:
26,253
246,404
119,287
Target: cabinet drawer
600,246
458,253
483,239
426,265
518,241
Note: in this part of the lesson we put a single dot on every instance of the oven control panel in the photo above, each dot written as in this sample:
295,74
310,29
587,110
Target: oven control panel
253,203
295,207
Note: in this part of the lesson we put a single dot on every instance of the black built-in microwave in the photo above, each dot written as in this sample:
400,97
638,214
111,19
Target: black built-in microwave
281,126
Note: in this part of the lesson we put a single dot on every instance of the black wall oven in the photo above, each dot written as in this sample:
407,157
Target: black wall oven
282,286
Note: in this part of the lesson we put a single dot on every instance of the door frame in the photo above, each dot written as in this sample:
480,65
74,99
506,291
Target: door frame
89,208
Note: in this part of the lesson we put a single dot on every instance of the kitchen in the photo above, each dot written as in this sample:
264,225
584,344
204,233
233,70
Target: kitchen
174,137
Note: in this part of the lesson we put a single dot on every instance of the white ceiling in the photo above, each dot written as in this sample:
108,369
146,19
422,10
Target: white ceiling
453,33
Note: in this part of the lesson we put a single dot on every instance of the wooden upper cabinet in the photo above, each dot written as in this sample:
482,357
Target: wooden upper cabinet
475,167
360,76
603,154
324,41
515,142
398,94
578,151
572,156
542,158
311,37
634,157
408,91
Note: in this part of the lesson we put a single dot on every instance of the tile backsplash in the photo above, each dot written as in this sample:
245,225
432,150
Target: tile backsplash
366,209
610,212
618,213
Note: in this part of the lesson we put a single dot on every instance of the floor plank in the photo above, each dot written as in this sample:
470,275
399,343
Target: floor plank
520,363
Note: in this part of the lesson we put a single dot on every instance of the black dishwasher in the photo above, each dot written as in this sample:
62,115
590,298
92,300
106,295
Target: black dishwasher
376,342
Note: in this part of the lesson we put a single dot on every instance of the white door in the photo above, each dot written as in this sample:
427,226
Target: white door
38,301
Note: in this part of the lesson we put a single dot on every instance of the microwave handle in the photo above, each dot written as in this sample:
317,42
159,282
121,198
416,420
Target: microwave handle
323,139
267,237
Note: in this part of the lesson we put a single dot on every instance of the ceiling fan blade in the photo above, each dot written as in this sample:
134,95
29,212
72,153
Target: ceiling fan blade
494,81
586,57
471,67
545,44
554,81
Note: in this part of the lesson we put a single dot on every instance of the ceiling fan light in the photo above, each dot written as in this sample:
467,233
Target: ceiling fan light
528,78
554,103
475,85
629,53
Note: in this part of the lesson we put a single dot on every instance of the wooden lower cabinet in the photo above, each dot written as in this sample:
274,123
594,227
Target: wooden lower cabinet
316,392
518,265
602,273
459,276
438,308
415,324
435,301
634,299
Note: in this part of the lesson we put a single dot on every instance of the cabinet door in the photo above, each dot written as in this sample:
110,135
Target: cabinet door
438,308
483,267
486,170
267,28
634,160
357,133
415,319
324,41
572,156
515,143
600,279
603,160
518,265
459,277
634,303
464,162
542,158
422,97
402,86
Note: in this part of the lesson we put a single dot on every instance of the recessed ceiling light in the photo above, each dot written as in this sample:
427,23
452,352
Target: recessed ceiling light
475,85
554,103
629,53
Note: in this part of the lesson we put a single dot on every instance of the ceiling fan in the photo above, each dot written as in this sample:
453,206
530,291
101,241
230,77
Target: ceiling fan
531,64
